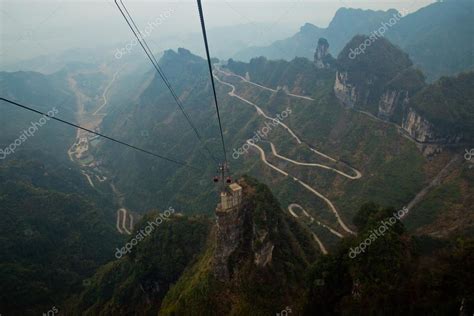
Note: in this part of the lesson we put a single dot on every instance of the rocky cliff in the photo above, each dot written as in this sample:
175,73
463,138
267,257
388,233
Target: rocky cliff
370,76
229,233
418,127
375,76
254,265
424,131
386,105
390,101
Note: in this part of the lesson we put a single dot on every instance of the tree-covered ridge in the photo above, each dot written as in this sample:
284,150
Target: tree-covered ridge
449,104
410,80
346,23
375,68
52,239
396,275
438,37
151,119
379,71
378,58
299,75
137,283
45,93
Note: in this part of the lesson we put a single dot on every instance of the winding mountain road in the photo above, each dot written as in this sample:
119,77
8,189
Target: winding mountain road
81,145
400,130
321,245
123,221
104,94
263,87
331,230
357,175
306,186
232,93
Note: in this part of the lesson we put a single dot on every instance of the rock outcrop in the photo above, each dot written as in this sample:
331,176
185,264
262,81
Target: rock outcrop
236,228
344,91
257,253
322,58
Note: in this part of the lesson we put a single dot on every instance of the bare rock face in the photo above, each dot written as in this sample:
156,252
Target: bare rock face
229,235
418,127
344,91
424,131
390,101
262,247
242,235
352,95
263,256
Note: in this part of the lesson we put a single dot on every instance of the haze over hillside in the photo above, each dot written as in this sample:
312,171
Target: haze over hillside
237,158
30,29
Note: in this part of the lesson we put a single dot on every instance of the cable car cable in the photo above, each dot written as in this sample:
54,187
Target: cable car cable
101,135
203,26
161,73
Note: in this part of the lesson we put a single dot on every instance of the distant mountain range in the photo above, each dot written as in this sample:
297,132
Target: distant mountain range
369,110
345,24
438,37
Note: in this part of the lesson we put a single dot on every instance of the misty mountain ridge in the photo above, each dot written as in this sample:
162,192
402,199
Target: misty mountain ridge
422,34
370,127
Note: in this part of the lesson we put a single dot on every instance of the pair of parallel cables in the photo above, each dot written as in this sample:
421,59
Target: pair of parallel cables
136,31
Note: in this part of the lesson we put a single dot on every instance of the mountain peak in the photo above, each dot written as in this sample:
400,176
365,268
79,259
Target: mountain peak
309,28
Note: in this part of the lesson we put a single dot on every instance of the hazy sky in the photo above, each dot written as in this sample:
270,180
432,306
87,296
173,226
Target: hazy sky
32,28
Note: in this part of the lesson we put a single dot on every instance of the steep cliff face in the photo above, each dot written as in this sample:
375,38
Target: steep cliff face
229,232
448,104
424,131
390,101
418,127
344,91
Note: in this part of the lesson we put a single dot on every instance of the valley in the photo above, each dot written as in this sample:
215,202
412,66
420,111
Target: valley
82,150
266,180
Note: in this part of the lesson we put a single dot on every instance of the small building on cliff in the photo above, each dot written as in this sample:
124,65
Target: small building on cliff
230,198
